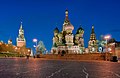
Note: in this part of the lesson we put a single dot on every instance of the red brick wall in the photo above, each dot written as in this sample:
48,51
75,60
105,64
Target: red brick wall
92,56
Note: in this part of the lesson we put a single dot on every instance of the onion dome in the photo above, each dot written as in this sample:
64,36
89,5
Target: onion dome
67,25
80,30
56,30
60,34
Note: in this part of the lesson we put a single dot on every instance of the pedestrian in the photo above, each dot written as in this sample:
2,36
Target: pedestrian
27,57
34,57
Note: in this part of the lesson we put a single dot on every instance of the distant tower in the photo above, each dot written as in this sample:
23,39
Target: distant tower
10,41
92,45
21,42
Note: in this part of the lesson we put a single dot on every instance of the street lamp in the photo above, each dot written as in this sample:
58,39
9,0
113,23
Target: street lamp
35,40
107,37
28,52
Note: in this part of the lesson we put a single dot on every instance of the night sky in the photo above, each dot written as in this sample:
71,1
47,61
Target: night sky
40,17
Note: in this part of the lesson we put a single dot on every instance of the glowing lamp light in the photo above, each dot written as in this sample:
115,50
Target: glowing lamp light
107,37
34,40
28,50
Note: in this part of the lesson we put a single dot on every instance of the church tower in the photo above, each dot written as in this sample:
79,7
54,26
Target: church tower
92,44
78,39
67,30
55,38
67,26
21,42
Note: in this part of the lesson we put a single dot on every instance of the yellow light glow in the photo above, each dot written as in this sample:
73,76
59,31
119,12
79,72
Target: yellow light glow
107,37
28,50
16,48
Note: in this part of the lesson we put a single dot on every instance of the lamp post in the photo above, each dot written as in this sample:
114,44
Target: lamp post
107,37
35,40
28,54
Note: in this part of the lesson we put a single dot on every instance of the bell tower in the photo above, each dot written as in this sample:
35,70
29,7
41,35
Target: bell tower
92,45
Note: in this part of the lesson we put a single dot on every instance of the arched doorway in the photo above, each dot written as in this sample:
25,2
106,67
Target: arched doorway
63,52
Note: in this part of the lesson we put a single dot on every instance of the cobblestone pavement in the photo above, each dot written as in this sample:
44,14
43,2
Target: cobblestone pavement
39,68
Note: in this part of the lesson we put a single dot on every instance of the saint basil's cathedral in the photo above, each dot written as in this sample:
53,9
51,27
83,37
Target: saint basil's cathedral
68,43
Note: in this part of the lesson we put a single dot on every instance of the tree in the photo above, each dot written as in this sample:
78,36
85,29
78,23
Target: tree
40,47
101,43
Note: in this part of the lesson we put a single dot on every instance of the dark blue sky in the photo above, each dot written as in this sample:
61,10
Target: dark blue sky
40,17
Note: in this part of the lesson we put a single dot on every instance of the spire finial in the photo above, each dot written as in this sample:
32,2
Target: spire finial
66,13
21,22
21,25
92,28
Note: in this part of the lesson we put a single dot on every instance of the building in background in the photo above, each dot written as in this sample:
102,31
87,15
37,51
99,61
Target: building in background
10,41
65,42
21,42
114,47
19,49
92,44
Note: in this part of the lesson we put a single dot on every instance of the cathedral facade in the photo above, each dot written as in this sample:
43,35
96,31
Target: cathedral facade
65,41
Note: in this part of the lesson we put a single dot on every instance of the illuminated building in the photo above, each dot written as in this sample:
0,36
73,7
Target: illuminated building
65,41
21,42
92,44
10,41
